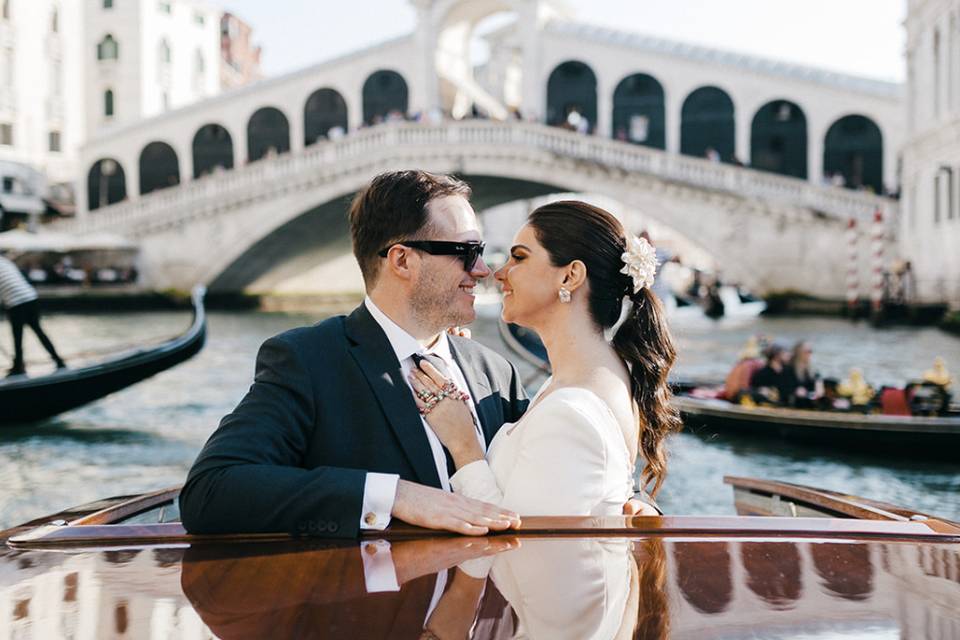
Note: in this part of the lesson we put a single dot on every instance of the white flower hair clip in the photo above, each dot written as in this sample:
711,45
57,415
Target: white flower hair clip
640,263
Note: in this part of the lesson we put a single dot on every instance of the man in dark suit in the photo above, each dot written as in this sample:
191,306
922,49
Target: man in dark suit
328,440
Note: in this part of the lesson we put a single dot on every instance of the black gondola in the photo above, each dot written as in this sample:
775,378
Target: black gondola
929,437
24,399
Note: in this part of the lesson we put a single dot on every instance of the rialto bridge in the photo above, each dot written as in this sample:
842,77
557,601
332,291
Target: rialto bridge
248,189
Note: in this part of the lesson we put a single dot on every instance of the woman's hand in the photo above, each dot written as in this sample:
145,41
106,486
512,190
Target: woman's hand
450,417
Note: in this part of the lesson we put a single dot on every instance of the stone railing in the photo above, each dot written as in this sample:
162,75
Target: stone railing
362,150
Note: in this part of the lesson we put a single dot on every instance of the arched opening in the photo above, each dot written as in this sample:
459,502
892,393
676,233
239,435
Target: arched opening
853,149
324,110
159,167
774,572
572,96
108,103
55,21
268,132
778,139
639,114
212,148
5,10
106,184
385,97
108,48
707,125
707,591
845,570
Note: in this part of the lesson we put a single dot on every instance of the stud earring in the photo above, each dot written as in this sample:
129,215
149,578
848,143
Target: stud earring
564,295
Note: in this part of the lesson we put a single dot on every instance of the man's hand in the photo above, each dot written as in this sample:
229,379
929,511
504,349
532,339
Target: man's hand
438,509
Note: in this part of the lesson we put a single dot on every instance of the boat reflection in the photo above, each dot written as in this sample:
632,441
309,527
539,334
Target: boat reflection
497,587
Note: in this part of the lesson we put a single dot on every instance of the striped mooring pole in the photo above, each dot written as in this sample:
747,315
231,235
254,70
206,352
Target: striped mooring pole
853,268
876,262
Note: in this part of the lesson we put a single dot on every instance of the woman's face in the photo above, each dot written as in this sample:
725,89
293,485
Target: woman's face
529,282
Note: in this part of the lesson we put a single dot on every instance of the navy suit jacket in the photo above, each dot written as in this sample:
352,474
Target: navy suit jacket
328,404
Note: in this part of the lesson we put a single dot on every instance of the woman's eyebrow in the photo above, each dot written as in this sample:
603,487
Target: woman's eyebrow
519,246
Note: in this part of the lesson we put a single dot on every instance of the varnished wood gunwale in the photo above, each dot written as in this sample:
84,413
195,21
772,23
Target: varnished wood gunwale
51,536
831,502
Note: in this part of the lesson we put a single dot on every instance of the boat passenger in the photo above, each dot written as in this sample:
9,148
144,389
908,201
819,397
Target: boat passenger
806,383
856,390
748,362
772,384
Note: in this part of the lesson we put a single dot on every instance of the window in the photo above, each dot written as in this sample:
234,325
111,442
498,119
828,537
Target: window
199,19
6,133
108,49
6,9
943,195
108,103
55,141
199,65
164,55
56,72
55,22
164,7
936,73
6,67
108,4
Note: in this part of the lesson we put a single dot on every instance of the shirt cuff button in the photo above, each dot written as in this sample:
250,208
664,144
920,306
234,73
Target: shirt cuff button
370,518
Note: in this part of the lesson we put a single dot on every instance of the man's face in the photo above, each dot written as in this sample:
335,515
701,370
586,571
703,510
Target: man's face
442,294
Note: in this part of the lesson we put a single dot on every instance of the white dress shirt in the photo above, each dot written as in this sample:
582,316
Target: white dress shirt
380,489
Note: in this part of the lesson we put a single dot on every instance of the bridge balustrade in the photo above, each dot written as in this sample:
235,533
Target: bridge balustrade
366,149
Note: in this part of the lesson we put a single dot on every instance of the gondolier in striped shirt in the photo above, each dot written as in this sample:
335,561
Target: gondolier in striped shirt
19,299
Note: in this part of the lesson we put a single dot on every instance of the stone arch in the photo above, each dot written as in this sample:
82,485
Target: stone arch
325,109
572,87
778,139
708,592
774,572
212,147
106,183
707,122
268,131
639,111
159,167
385,94
853,147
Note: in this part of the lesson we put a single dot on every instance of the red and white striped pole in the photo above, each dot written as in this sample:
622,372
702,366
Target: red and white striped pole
853,268
876,262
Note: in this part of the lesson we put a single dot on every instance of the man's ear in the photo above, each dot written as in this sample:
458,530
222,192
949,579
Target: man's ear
575,275
401,261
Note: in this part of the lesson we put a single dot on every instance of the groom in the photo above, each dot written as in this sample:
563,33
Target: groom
328,440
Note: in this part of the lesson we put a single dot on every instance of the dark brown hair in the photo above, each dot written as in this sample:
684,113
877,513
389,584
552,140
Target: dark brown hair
571,230
393,207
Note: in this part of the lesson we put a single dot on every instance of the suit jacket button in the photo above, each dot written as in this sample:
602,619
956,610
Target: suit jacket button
370,518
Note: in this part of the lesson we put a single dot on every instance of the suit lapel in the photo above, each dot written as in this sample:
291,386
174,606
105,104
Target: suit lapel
375,357
479,389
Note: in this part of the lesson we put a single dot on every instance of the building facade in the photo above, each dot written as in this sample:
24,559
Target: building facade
930,222
71,69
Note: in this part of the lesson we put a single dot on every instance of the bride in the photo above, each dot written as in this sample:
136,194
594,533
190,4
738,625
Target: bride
571,272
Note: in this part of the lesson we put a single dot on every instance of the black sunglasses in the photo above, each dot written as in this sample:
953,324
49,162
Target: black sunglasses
469,252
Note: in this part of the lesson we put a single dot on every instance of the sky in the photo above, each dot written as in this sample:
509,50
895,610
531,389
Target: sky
862,37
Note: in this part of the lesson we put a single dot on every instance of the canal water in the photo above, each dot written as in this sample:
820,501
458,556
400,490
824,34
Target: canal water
146,437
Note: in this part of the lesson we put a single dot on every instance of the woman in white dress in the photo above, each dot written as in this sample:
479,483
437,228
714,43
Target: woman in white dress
571,272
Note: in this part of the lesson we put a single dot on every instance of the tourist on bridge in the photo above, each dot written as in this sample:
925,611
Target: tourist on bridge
19,299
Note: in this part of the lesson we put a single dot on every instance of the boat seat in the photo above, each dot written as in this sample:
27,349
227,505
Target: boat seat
893,402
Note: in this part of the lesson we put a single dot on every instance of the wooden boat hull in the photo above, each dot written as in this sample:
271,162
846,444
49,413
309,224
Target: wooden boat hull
903,435
24,400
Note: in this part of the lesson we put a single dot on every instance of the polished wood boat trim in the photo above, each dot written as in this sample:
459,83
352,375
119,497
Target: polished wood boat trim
833,502
128,508
86,535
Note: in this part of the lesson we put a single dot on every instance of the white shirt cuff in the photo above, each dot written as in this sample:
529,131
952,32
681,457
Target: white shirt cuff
379,574
379,492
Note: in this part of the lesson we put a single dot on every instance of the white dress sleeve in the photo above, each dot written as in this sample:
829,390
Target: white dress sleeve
560,466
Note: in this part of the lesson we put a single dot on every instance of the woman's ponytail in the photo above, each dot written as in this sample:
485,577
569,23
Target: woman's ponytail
644,342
